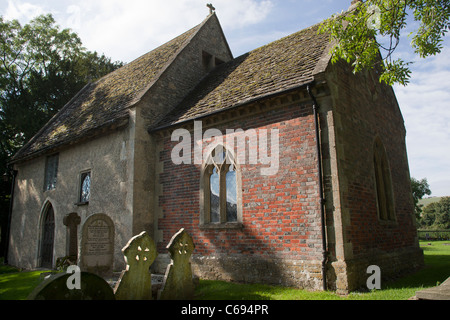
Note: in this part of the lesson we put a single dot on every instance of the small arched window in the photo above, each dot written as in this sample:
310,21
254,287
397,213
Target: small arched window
383,183
220,189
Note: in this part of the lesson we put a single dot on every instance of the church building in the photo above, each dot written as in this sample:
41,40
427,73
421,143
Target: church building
283,167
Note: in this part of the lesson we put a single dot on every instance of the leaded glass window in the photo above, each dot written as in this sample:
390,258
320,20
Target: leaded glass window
51,172
220,188
85,189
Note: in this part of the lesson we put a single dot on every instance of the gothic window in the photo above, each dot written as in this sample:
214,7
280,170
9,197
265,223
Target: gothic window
85,187
383,183
51,172
220,189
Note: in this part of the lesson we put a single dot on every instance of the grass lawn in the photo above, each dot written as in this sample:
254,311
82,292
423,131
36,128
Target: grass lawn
16,285
436,271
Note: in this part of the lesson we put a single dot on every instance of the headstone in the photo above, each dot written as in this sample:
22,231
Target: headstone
178,283
55,287
441,292
135,283
97,245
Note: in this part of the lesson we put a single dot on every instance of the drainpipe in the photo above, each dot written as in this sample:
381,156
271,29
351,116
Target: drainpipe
322,201
8,226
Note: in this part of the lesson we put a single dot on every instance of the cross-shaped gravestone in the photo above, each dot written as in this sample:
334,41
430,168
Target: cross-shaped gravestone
178,284
135,283
71,221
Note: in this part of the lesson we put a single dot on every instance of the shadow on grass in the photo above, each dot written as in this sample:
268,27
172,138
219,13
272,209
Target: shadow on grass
436,271
18,285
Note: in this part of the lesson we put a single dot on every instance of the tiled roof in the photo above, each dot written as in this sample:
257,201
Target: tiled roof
103,104
279,66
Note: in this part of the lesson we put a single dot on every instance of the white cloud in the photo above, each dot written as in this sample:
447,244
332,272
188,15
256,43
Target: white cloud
127,29
240,13
424,104
124,30
21,10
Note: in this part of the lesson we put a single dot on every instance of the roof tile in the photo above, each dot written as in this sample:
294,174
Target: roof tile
104,102
276,67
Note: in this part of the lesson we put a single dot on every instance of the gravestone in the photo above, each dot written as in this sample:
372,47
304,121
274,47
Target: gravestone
92,287
71,221
97,245
441,292
135,283
178,283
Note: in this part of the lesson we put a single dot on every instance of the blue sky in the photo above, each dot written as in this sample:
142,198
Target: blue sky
124,30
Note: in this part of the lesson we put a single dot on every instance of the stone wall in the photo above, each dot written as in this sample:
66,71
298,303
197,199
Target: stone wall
173,85
107,157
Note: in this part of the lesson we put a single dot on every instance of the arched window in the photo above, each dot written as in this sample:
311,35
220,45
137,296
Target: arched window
383,183
220,189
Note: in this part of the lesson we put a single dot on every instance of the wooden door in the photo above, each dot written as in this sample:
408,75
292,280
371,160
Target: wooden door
48,235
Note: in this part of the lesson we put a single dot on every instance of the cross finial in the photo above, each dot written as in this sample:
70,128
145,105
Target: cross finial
211,8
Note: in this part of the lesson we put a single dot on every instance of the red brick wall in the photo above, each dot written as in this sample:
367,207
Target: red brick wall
281,217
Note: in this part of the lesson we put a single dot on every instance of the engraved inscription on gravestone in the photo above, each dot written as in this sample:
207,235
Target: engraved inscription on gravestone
98,238
97,246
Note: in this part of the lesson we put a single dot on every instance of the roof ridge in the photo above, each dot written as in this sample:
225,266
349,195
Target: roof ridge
110,96
194,31
304,54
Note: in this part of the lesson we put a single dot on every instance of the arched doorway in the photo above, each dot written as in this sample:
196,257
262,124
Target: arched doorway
48,236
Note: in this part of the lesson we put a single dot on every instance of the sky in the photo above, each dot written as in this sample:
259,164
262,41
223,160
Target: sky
124,30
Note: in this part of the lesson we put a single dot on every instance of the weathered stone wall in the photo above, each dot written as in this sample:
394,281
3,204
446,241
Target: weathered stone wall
107,158
122,164
174,83
279,240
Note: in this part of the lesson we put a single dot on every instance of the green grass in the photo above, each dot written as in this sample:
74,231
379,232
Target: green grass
429,200
15,285
437,270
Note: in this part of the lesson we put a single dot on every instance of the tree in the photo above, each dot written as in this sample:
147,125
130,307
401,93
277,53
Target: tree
419,188
436,215
443,214
428,215
367,35
41,68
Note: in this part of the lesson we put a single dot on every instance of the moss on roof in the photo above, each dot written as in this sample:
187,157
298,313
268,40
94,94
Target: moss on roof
276,67
104,103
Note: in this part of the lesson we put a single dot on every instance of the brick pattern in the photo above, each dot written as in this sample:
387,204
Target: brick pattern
281,217
365,109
